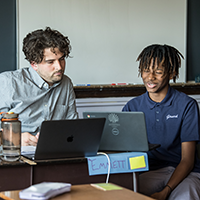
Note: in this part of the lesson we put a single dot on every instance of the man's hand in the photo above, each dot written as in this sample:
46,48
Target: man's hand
28,139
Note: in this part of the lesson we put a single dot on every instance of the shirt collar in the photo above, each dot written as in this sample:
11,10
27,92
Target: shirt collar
165,102
39,81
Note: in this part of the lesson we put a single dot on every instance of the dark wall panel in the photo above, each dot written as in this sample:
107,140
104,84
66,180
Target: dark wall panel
7,35
193,40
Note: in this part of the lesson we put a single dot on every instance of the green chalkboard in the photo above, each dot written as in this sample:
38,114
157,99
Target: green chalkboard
8,35
193,39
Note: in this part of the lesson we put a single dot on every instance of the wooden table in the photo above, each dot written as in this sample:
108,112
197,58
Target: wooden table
15,175
19,175
88,192
75,171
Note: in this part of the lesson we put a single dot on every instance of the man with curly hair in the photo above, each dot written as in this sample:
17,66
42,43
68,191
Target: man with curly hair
172,120
41,91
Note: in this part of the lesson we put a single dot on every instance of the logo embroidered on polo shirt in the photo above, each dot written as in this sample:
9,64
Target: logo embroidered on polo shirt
171,116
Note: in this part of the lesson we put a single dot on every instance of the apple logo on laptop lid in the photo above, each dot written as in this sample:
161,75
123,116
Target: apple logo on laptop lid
70,138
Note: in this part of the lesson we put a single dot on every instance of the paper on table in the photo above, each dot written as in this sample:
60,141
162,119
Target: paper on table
106,186
28,149
44,190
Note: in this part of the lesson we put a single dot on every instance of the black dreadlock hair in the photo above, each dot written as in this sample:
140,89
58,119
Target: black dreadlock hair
167,56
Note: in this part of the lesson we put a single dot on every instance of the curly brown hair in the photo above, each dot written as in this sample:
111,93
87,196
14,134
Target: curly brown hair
35,42
168,56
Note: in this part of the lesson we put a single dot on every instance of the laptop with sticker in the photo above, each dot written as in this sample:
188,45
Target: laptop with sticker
123,131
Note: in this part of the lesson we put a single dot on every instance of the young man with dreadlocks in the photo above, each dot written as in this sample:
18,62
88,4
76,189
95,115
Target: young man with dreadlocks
42,91
172,120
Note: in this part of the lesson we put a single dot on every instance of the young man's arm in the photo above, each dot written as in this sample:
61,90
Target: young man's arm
182,170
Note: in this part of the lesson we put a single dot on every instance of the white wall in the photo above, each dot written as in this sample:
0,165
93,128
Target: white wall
106,35
114,104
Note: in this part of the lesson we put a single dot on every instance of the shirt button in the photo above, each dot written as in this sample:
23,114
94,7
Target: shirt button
157,112
157,120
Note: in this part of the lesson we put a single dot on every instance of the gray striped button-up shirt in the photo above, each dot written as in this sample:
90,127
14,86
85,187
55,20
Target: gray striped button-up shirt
24,92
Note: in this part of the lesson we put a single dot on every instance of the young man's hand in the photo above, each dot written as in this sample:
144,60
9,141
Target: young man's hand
162,195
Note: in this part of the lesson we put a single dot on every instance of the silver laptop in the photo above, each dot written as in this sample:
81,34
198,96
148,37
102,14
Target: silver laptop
68,138
123,131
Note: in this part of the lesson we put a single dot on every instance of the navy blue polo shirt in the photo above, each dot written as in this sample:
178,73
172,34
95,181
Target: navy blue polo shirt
169,123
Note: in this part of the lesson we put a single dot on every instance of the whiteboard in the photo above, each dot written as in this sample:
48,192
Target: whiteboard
106,35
